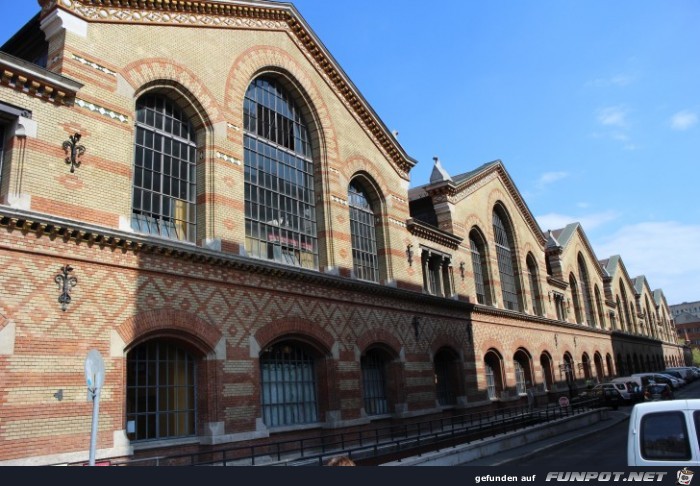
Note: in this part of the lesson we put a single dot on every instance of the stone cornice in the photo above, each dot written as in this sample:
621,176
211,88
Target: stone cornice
422,230
250,15
73,231
35,81
558,283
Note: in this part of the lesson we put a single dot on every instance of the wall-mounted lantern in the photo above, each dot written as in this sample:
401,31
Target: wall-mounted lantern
409,254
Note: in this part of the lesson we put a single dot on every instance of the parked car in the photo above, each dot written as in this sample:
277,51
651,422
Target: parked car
608,394
686,372
632,388
658,391
664,433
675,382
647,378
675,373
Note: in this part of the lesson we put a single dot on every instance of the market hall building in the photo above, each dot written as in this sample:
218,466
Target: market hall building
199,192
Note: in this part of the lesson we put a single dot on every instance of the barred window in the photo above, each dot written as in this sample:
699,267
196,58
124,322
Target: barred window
575,299
288,385
3,134
161,386
445,376
165,157
479,267
506,264
586,291
280,212
373,366
534,285
364,239
520,386
494,380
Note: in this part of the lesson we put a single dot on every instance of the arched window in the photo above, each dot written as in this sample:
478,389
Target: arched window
586,366
586,292
507,266
599,307
280,212
165,158
599,371
446,364
625,306
533,277
374,364
494,374
575,299
480,268
362,229
523,374
547,375
621,312
288,385
161,381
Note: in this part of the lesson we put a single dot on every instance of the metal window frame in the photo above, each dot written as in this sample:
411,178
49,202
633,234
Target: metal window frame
280,211
363,235
289,393
506,265
373,365
150,199
167,354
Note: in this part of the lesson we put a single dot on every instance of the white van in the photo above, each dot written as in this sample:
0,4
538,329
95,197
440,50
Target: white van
664,434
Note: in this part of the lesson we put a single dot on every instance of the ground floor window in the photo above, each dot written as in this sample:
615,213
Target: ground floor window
374,382
446,376
160,391
288,376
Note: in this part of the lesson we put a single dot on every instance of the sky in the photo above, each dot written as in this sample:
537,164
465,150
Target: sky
593,107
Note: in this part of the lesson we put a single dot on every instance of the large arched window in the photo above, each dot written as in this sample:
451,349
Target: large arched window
288,385
625,306
480,268
507,266
575,299
165,157
599,307
161,381
547,373
280,213
533,277
586,292
362,229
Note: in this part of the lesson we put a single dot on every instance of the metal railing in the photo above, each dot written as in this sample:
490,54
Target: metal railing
380,444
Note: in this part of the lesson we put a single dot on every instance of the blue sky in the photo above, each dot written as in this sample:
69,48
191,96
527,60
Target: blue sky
593,106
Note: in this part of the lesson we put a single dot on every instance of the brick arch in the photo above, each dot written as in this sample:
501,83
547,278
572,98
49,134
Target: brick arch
444,341
382,336
165,321
323,340
258,59
147,72
359,165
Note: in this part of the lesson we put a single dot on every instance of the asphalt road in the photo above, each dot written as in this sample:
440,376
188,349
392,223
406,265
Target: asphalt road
606,449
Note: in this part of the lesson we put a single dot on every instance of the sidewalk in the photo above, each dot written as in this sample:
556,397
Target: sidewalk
614,417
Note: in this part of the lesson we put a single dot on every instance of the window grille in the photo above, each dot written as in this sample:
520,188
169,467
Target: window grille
479,268
364,239
534,286
437,273
575,299
160,391
506,265
490,381
288,386
3,133
374,383
164,191
520,384
586,291
280,212
444,378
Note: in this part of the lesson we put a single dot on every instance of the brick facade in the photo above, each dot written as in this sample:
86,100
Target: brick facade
224,307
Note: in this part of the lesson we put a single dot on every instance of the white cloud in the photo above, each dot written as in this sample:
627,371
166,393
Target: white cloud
551,177
663,251
619,80
589,222
615,116
683,120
